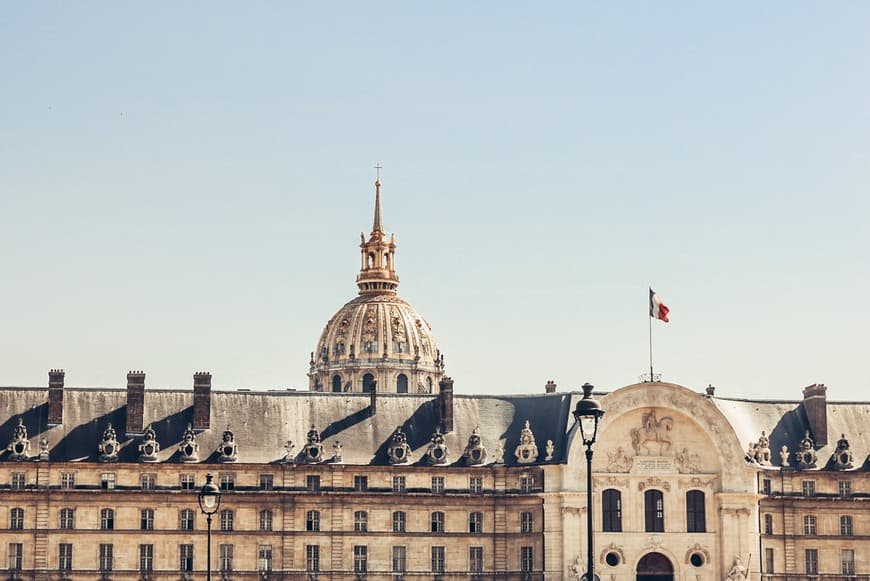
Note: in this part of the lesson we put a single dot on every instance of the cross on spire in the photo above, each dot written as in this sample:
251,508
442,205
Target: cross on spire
377,227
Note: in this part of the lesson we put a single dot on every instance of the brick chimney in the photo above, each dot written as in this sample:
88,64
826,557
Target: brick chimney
373,397
445,404
550,387
201,400
815,406
55,397
135,403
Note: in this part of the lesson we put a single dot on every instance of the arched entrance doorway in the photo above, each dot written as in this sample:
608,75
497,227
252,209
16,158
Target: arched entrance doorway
655,567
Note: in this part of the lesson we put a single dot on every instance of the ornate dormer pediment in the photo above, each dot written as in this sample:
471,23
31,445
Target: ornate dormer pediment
20,445
806,454
527,451
399,451
227,450
312,452
842,456
475,453
437,452
149,447
108,446
189,448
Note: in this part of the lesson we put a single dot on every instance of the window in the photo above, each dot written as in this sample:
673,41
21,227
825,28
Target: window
360,521
527,559
146,519
360,483
264,558
768,524
107,480
185,558
811,561
360,558
402,383
768,560
399,522
846,525
64,557
267,482
399,484
611,510
696,521
844,488
437,559
228,481
265,520
847,561
437,522
527,483
654,511
475,559
526,522
765,486
400,563
368,381
808,487
146,557
16,555
312,558
16,519
187,482
437,484
312,521
226,558
312,483
475,522
226,520
66,518
185,520
67,480
18,480
106,558
148,481
809,524
475,484
107,519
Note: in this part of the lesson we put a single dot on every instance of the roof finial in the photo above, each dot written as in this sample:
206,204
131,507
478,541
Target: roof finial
377,227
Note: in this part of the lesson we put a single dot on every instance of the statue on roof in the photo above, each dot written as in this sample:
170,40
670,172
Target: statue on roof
228,450
842,457
19,445
108,446
149,447
762,449
475,453
437,452
189,448
806,454
312,452
527,451
399,451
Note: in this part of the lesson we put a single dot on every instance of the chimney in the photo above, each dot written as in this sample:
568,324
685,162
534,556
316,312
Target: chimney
55,397
445,404
135,403
201,400
815,406
711,390
550,387
373,395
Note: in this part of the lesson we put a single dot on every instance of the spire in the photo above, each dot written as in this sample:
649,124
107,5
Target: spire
377,268
377,227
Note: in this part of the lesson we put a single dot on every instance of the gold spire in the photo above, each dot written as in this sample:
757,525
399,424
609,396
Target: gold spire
376,226
377,268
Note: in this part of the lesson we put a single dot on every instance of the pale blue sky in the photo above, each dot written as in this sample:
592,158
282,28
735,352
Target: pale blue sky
182,187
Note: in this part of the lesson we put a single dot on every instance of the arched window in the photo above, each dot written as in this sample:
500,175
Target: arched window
402,383
437,522
368,383
611,507
107,519
475,522
16,518
360,521
654,511
696,521
336,383
312,521
266,520
429,384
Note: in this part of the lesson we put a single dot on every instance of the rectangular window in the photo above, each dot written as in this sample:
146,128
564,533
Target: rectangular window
19,480
846,526
526,522
312,521
437,522
437,484
437,559
146,519
107,480
265,520
226,520
475,484
360,483
696,520
809,525
527,559
475,522
808,487
527,483
399,484
67,480
107,519
768,524
185,558
847,561
106,557
400,563
226,558
654,511
64,557
67,518
16,556
360,521
228,481
768,560
146,557
360,558
312,558
16,519
264,558
811,561
844,488
475,559
611,510
185,519
148,481
267,482
765,486
399,519
187,482
312,483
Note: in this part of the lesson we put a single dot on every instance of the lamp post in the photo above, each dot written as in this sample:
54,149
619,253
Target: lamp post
209,502
587,413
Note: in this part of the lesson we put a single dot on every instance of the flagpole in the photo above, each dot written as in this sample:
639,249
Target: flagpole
649,317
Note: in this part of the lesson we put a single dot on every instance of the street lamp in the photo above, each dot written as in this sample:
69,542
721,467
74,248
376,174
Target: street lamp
587,413
209,502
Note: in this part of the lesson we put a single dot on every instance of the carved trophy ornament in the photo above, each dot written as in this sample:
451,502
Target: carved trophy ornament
289,447
527,451
227,449
498,456
475,453
549,448
312,452
437,451
43,449
655,431
399,451
108,446
189,448
806,454
842,457
20,445
336,453
149,447
783,456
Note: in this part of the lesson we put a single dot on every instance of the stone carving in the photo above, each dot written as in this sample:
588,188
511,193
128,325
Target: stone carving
498,457
149,447
783,456
227,450
108,446
696,548
20,445
399,451
617,461
289,446
550,448
341,336
738,571
652,430
336,453
575,570
189,448
370,331
437,451
527,451
763,449
475,453
842,457
312,451
43,449
398,330
806,455
654,482
687,461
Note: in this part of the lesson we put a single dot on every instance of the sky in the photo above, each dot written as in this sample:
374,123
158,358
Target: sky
182,188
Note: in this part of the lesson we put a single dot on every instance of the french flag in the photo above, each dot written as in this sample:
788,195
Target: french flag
657,309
